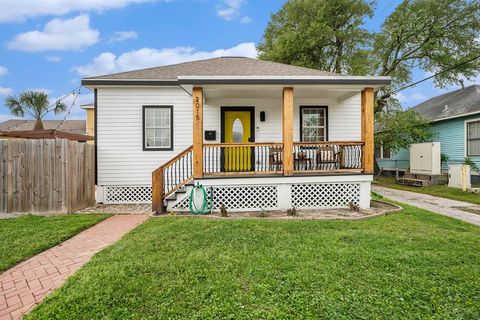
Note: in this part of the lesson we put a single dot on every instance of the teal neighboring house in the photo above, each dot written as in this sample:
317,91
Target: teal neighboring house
455,118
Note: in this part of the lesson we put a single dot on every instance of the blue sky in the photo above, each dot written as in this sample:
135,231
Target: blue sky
51,45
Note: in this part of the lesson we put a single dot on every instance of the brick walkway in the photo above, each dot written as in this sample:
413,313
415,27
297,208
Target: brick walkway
26,284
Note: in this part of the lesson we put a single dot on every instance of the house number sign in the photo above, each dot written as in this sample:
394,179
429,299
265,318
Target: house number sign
197,108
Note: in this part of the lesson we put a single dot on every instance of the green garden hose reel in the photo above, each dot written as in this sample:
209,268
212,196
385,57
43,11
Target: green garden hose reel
206,203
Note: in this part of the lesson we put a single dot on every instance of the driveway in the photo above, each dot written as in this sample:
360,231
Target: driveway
456,209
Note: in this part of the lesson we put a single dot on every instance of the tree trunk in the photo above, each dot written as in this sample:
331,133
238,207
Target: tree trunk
38,125
339,56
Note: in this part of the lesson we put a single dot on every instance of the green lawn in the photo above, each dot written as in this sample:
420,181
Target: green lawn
438,191
408,265
23,237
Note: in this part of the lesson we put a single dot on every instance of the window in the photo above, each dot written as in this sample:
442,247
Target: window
237,131
378,151
313,124
385,152
473,138
157,128
381,152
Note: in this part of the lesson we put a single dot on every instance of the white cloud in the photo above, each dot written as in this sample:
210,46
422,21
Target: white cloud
3,71
53,58
58,34
230,9
412,97
120,36
143,58
5,91
14,10
44,90
245,20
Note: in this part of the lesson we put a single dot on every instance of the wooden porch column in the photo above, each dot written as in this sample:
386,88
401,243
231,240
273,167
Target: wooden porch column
197,132
367,130
287,130
157,191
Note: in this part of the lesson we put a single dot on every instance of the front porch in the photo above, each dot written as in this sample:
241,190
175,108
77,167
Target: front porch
344,166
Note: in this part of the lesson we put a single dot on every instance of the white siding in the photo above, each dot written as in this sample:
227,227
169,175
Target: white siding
344,120
122,161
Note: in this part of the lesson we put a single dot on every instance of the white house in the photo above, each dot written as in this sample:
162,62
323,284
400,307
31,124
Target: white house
257,134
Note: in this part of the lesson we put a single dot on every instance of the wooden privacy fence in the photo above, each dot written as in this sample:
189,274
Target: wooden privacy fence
46,175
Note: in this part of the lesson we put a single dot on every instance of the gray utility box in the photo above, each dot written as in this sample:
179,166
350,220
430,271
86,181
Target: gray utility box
425,158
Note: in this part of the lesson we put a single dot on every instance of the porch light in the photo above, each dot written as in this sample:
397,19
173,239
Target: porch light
262,116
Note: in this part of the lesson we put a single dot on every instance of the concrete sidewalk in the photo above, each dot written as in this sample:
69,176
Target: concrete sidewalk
451,208
26,284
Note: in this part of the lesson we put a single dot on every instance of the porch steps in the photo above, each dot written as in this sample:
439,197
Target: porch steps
422,180
413,182
179,194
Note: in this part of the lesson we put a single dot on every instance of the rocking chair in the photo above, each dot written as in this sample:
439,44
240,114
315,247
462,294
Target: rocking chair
275,159
327,158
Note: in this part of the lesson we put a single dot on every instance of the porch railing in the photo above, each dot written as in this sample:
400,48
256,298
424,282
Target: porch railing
328,156
245,158
170,177
267,158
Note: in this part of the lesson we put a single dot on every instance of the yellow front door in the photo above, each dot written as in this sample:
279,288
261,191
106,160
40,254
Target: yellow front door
237,129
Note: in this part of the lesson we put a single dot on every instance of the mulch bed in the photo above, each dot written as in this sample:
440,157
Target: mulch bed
377,208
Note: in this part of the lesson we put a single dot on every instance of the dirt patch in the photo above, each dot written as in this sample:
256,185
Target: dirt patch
11,215
377,208
475,210
144,208
100,208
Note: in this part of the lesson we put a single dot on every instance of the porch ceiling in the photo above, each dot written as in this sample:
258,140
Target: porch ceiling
214,92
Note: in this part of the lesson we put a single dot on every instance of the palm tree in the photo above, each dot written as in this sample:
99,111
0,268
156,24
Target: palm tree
34,104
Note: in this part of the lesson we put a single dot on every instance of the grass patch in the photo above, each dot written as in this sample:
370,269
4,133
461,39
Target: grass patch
438,191
23,237
408,265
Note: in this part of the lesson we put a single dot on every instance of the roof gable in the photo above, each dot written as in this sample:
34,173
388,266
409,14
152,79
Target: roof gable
453,104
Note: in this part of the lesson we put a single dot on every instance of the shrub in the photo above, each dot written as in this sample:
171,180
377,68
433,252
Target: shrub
444,158
292,212
263,213
223,211
469,162
353,207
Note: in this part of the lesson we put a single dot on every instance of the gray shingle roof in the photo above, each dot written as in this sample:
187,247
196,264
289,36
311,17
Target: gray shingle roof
223,66
456,103
74,126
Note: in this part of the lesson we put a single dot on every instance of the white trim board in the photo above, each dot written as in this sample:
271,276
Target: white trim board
286,180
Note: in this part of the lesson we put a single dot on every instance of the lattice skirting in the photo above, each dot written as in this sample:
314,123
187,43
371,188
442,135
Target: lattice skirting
243,197
127,194
281,196
325,195
239,197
